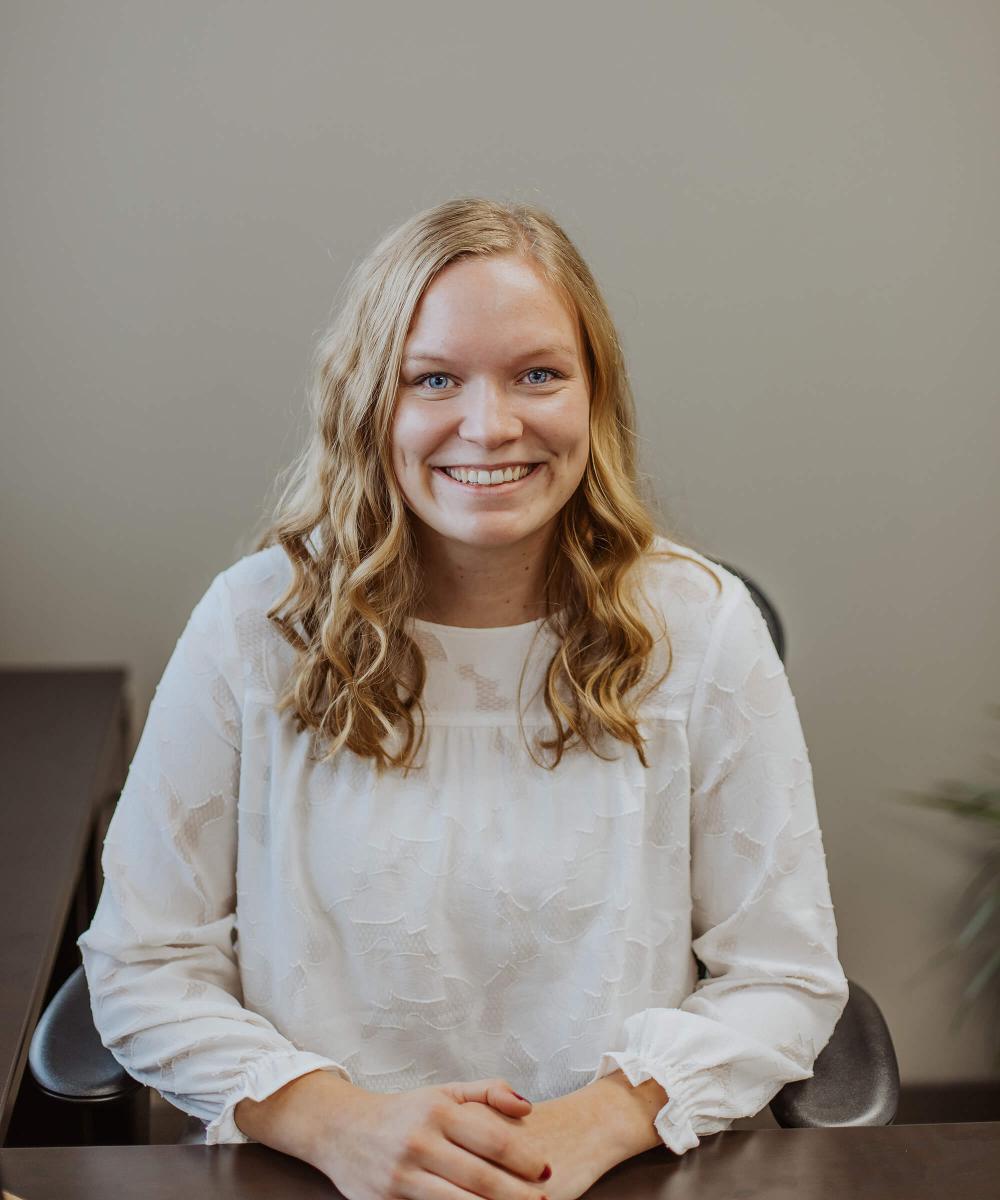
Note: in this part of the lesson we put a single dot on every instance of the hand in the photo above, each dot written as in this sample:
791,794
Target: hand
453,1141
572,1133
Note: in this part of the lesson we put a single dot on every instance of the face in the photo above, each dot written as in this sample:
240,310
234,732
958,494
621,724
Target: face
492,377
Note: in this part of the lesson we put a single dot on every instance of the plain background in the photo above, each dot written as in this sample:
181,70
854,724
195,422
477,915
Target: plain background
792,210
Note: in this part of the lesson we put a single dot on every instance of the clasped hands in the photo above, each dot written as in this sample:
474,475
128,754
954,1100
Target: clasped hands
460,1141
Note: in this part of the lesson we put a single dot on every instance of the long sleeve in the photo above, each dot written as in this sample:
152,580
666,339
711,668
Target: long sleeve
159,956
762,918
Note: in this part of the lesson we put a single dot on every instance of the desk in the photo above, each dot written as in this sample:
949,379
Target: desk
892,1162
63,748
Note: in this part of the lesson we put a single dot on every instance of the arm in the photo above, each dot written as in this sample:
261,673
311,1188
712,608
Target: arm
159,955
296,1119
762,917
629,1113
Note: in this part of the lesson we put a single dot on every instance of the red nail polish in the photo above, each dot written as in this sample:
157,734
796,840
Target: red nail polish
546,1173
520,1097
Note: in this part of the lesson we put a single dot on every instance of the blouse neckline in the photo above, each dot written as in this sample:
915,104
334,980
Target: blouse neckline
434,627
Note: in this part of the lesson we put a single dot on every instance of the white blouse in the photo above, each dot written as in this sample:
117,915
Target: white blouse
264,916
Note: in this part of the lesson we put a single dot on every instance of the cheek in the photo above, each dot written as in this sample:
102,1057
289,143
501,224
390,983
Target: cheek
573,441
413,438
578,457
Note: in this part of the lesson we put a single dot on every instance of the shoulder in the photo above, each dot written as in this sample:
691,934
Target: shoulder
689,595
689,588
256,581
246,591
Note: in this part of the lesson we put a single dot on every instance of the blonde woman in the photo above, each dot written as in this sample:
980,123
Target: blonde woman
452,782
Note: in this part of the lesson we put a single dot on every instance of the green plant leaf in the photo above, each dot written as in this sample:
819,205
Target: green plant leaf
982,805
984,975
980,918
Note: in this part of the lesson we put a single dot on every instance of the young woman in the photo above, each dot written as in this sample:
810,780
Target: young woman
452,782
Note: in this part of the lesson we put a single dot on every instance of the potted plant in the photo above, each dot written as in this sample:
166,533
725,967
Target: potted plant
978,916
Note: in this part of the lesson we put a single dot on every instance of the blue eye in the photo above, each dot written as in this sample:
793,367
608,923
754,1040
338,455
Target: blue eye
541,371
533,371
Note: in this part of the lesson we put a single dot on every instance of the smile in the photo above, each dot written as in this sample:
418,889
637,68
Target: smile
483,481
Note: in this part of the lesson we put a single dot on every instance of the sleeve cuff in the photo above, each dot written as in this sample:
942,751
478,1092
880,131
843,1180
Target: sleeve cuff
675,1122
259,1081
709,1075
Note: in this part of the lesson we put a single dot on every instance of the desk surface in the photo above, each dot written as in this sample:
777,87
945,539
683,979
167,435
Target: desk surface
61,744
894,1162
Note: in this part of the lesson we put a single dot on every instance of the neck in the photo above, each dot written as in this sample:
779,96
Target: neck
483,587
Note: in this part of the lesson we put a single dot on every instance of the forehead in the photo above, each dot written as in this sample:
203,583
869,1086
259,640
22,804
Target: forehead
500,300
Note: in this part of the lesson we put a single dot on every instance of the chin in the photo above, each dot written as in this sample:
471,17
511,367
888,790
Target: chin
509,534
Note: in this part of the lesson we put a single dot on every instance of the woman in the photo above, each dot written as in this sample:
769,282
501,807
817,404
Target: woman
309,937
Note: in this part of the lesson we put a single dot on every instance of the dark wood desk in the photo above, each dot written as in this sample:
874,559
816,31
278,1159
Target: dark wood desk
895,1162
63,760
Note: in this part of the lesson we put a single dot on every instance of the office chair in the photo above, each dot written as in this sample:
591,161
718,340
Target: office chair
855,1079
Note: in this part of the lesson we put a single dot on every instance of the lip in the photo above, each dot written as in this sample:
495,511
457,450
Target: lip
521,462
496,489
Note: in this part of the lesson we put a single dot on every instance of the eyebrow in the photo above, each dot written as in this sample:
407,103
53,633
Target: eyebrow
538,352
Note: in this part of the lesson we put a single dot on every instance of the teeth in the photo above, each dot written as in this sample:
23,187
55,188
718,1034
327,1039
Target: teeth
486,478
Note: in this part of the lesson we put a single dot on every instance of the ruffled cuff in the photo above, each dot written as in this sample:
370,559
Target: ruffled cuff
693,1059
259,1081
675,1120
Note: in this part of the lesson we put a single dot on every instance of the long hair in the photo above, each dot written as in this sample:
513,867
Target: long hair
341,519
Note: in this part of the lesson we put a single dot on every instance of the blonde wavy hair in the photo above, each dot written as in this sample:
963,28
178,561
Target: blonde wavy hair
341,519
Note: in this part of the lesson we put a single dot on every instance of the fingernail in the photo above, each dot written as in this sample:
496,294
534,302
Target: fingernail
520,1097
546,1173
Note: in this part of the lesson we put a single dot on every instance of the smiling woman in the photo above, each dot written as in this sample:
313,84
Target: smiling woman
473,336
484,541
309,938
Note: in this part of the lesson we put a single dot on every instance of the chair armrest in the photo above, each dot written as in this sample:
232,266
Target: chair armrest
855,1079
66,1055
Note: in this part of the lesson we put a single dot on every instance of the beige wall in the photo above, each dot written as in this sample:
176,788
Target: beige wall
792,208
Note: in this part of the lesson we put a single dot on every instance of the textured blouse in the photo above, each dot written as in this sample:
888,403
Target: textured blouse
265,914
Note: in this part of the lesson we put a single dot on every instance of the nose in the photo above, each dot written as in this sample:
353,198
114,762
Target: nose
489,415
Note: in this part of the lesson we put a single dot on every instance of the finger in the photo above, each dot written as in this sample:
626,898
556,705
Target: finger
495,1092
480,1130
507,1101
444,1161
